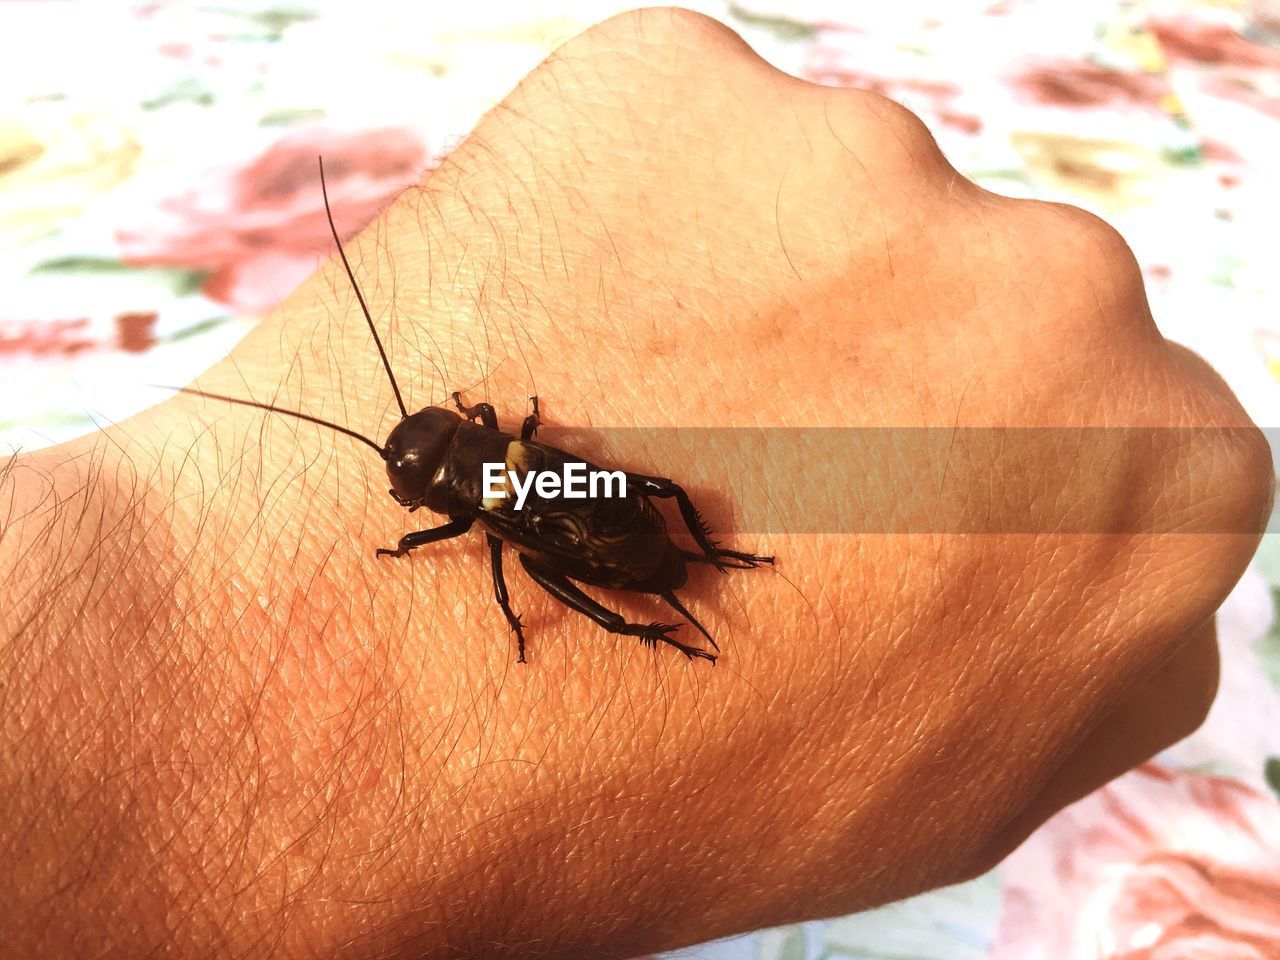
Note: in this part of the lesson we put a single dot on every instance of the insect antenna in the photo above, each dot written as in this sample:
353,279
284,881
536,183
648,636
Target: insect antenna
274,409
359,296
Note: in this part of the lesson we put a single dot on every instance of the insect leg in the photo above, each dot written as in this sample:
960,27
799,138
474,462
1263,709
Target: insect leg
531,422
500,592
679,608
409,504
712,553
482,411
454,528
720,561
568,593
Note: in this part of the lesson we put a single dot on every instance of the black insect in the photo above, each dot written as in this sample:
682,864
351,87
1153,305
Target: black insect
436,459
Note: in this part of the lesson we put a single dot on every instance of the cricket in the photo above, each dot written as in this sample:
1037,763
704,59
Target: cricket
460,464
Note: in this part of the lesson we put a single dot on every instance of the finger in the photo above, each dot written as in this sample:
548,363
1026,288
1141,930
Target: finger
1163,709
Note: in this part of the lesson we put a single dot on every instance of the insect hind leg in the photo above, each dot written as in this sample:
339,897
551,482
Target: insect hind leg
680,608
726,559
571,596
712,552
500,594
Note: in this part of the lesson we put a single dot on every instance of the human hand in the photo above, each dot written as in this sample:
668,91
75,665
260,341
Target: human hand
234,726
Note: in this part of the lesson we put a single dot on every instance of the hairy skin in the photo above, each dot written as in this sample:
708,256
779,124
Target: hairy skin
230,730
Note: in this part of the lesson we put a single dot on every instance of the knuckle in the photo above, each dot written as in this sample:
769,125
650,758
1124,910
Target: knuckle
892,114
690,49
1089,229
1094,245
1226,460
1093,279
1210,494
1242,469
892,124
665,26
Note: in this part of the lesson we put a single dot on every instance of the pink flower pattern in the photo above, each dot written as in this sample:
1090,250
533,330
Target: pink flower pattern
1166,124
1159,865
259,230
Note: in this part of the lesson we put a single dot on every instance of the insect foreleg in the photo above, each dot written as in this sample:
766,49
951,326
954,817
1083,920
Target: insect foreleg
568,593
500,593
712,553
483,412
454,528
403,501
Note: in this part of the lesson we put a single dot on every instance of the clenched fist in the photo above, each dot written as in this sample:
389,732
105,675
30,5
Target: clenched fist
232,727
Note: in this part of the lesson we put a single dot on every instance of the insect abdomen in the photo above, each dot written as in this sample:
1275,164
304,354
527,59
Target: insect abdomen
619,542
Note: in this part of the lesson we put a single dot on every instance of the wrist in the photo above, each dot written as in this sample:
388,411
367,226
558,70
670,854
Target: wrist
316,742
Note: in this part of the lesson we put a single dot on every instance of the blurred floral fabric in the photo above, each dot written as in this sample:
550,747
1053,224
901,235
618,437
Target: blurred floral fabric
158,194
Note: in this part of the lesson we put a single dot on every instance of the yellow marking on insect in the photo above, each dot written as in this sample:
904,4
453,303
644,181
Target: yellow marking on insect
519,458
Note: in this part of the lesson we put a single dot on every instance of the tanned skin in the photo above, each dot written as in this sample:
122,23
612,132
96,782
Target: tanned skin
231,730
